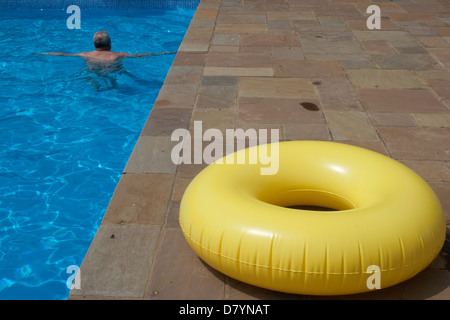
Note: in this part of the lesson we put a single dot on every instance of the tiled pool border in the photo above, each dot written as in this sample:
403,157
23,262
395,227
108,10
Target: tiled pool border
102,4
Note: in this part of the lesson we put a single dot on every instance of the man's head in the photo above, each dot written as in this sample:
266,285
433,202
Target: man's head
102,40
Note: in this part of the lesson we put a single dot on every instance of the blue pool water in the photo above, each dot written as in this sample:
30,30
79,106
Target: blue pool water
66,133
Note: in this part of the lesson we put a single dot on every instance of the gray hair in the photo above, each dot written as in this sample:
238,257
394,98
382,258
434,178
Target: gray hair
101,39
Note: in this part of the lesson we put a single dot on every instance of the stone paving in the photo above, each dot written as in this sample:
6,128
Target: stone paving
314,71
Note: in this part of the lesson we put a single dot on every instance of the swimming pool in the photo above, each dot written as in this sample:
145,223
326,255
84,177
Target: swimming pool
67,133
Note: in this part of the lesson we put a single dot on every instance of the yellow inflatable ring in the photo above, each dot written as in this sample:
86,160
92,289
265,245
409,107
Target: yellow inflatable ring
387,227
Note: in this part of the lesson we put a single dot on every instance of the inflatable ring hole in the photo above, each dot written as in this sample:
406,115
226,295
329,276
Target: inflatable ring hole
311,208
307,199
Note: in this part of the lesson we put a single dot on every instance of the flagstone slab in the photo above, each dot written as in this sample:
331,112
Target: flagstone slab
184,75
224,49
286,53
416,17
194,45
350,125
439,120
442,190
405,61
378,47
317,132
419,143
377,146
337,94
291,14
176,96
400,100
380,35
338,9
276,88
409,48
277,110
433,42
173,215
151,154
179,273
443,54
422,8
203,22
179,187
140,199
419,31
441,87
393,119
269,40
280,25
234,19
194,33
221,119
328,36
163,121
241,28
118,261
442,31
386,24
370,78
360,63
238,71
226,39
186,58
314,26
219,81
239,59
220,97
321,45
308,69
346,59
429,75
205,13
436,171
388,7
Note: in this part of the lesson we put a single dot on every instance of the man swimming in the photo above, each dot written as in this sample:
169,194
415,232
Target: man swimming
102,52
102,62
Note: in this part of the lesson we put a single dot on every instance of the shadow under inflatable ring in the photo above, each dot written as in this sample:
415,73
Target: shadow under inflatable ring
242,223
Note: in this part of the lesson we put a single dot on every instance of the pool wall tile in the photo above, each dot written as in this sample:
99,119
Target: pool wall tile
103,4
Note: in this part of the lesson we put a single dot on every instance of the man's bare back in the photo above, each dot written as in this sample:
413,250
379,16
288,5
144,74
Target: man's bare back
102,55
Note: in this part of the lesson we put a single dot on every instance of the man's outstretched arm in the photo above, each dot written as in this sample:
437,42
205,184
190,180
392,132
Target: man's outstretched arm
138,55
61,54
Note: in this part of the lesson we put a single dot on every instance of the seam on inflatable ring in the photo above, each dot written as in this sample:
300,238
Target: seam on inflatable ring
295,271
